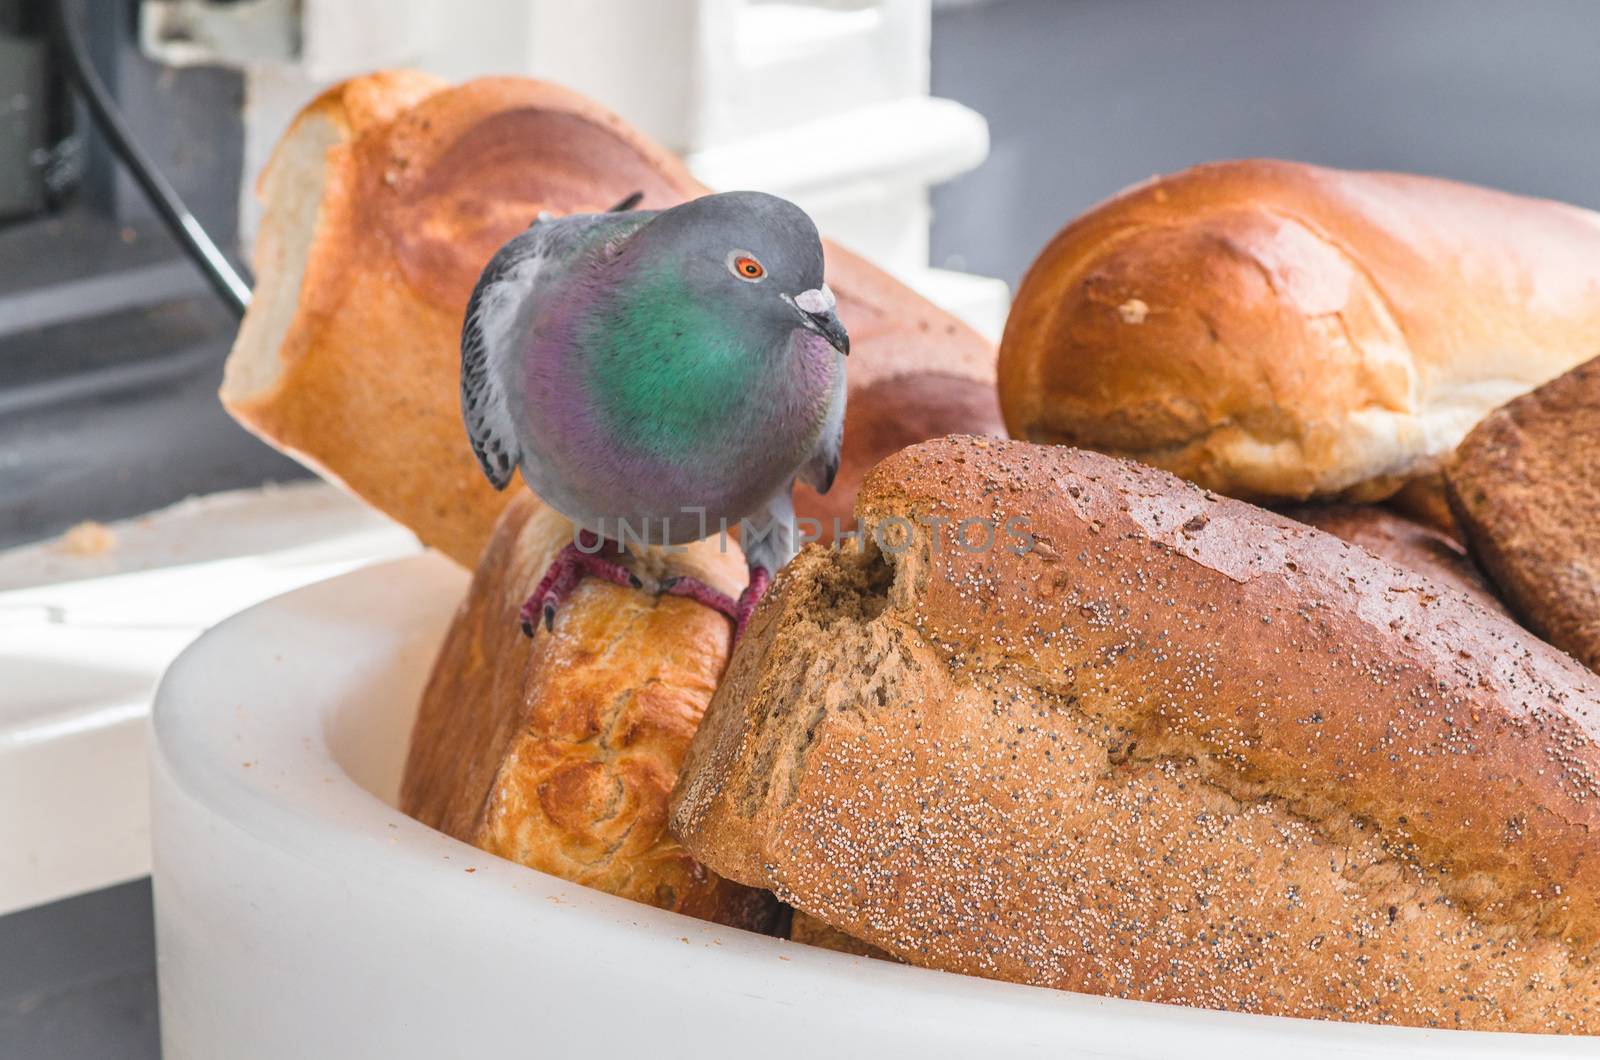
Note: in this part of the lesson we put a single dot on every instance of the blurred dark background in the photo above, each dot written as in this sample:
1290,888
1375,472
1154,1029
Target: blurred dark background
111,347
1085,97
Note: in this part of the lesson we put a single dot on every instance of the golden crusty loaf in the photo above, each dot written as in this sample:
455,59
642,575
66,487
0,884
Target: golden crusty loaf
1403,541
1276,330
384,200
559,752
1525,486
1181,749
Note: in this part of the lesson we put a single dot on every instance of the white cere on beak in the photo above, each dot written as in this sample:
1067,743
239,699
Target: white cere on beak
817,300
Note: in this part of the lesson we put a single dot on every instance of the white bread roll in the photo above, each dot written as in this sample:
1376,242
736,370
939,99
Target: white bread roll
1274,330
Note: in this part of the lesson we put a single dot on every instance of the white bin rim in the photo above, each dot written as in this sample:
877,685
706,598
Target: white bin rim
300,913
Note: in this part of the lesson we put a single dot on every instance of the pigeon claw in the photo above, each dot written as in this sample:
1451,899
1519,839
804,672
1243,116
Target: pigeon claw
694,589
572,564
760,578
738,611
582,559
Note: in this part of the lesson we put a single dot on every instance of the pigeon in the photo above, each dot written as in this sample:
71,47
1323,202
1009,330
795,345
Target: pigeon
659,376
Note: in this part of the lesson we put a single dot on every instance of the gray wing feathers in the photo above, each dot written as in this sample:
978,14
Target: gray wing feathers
497,316
487,337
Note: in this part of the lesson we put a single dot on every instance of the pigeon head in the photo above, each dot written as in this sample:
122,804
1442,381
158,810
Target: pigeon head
750,258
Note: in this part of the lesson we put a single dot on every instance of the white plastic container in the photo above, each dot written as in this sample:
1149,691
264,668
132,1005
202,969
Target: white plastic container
300,915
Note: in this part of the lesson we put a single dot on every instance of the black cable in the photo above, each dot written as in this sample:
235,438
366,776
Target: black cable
228,284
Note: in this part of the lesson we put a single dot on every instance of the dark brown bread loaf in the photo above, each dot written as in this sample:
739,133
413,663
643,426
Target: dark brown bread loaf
807,929
1181,749
1403,541
1423,499
1525,487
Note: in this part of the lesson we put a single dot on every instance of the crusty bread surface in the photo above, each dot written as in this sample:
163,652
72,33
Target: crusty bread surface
807,929
384,201
1525,486
1403,541
558,753
1274,330
1177,749
1423,500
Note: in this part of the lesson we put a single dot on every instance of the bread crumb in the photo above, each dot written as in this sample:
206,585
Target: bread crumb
1133,311
88,538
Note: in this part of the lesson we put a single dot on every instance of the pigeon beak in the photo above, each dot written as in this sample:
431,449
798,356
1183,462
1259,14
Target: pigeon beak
829,326
816,308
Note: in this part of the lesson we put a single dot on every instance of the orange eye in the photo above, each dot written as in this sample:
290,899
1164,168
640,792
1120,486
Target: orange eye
746,267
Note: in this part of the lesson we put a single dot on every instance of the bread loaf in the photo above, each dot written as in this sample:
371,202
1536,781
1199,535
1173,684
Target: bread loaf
1274,330
383,202
1171,747
1525,486
808,930
1423,500
558,752
1404,542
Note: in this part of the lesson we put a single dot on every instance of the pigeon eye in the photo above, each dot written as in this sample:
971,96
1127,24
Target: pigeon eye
746,267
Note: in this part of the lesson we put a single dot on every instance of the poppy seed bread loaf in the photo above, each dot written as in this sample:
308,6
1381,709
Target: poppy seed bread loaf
1403,541
1180,749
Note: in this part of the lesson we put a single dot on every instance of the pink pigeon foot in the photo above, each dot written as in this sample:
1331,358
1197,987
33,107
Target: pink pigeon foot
760,578
701,593
566,571
737,610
